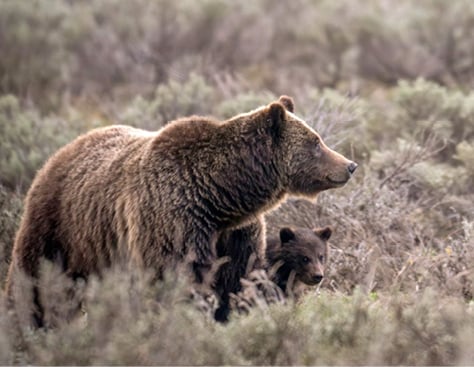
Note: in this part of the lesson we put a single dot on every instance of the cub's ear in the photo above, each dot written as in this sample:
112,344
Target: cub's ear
323,233
286,235
288,103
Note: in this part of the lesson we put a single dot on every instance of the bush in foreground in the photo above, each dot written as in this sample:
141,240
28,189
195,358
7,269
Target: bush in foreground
131,322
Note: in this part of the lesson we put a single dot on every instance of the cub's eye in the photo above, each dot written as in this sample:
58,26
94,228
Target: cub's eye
321,258
306,259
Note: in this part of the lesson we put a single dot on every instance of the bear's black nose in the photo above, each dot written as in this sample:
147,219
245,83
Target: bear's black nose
317,278
352,167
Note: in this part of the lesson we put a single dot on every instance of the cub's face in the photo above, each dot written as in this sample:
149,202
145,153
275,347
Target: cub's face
311,166
306,252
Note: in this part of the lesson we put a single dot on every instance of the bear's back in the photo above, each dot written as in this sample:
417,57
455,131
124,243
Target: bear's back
93,159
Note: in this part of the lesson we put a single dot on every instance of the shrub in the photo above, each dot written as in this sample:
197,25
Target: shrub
96,50
10,213
129,321
447,113
170,101
243,102
406,42
27,140
32,45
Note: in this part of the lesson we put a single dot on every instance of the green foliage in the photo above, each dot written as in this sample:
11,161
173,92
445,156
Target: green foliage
465,154
424,134
404,41
170,101
439,176
129,321
31,39
243,102
449,113
76,48
27,139
10,213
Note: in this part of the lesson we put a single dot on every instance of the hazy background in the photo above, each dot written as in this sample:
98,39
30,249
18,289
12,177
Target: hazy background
387,83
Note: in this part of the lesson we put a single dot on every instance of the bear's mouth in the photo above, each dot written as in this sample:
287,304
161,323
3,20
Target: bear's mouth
311,282
337,182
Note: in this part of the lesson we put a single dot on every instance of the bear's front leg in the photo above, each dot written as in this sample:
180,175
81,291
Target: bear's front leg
201,255
238,245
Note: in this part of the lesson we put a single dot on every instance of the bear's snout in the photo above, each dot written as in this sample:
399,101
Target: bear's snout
352,167
317,278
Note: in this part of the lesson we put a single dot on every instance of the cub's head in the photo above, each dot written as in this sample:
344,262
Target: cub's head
309,165
305,252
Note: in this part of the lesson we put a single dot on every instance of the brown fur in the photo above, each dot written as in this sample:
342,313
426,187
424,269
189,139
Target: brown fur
303,252
120,194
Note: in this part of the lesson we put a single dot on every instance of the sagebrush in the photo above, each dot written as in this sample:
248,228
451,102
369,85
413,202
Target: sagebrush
386,84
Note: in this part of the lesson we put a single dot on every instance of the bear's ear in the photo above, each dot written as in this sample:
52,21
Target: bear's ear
288,103
286,235
323,233
277,114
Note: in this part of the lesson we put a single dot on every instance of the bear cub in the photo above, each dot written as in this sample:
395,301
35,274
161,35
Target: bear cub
301,251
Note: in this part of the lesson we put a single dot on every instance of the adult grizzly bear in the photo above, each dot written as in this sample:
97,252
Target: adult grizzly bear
301,251
160,198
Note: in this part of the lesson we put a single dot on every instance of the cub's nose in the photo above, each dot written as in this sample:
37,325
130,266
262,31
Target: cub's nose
317,278
352,167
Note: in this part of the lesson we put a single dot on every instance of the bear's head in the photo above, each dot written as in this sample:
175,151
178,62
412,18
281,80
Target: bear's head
308,166
305,252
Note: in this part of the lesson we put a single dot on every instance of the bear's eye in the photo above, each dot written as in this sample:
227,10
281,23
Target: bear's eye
306,259
321,258
317,146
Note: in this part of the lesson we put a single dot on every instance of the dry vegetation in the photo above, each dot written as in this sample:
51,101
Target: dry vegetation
386,83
